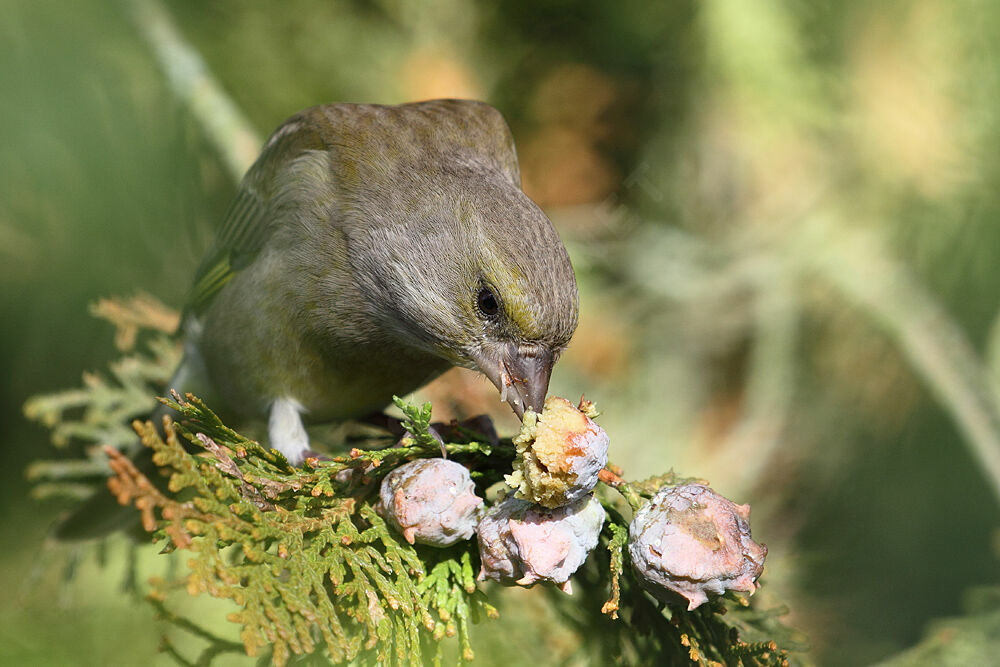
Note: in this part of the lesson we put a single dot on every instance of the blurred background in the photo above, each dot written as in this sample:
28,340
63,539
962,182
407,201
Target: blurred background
783,216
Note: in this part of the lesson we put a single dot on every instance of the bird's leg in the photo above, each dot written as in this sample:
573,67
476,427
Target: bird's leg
286,432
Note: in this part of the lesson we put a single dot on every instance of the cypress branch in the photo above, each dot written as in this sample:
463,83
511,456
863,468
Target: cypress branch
312,569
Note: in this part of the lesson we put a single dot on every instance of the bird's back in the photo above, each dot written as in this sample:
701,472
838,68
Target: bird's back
296,301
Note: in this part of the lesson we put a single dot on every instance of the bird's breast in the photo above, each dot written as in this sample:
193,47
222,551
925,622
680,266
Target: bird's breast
263,339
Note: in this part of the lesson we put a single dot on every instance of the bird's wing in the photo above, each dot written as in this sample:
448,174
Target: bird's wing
241,238
375,146
251,217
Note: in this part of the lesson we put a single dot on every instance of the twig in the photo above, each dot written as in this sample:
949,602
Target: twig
936,347
221,120
770,379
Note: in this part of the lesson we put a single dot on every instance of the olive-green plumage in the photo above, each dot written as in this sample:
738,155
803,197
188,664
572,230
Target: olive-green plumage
369,249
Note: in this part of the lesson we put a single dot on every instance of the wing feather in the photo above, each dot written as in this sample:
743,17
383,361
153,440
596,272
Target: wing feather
250,220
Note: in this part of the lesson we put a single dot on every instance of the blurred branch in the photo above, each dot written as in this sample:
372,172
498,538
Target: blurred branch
862,271
781,108
993,356
220,119
973,638
770,379
857,266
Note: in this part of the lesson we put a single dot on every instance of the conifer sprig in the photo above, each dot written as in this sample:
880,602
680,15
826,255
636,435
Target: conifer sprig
311,567
306,570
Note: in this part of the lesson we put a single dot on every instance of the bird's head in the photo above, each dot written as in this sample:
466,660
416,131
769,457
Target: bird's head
465,266
487,284
518,303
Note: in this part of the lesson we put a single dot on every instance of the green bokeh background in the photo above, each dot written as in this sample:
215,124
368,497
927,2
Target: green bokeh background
677,146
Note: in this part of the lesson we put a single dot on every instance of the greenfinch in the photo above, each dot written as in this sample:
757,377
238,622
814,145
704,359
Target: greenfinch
369,249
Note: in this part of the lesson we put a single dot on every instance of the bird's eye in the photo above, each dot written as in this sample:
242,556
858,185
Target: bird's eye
487,302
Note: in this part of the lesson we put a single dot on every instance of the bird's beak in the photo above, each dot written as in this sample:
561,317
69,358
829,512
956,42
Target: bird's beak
520,373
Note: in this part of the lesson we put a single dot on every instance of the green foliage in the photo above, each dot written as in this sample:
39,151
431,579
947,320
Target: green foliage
98,413
305,556
971,639
633,627
313,571
303,553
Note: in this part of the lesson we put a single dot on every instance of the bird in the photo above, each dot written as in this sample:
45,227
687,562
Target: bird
369,249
